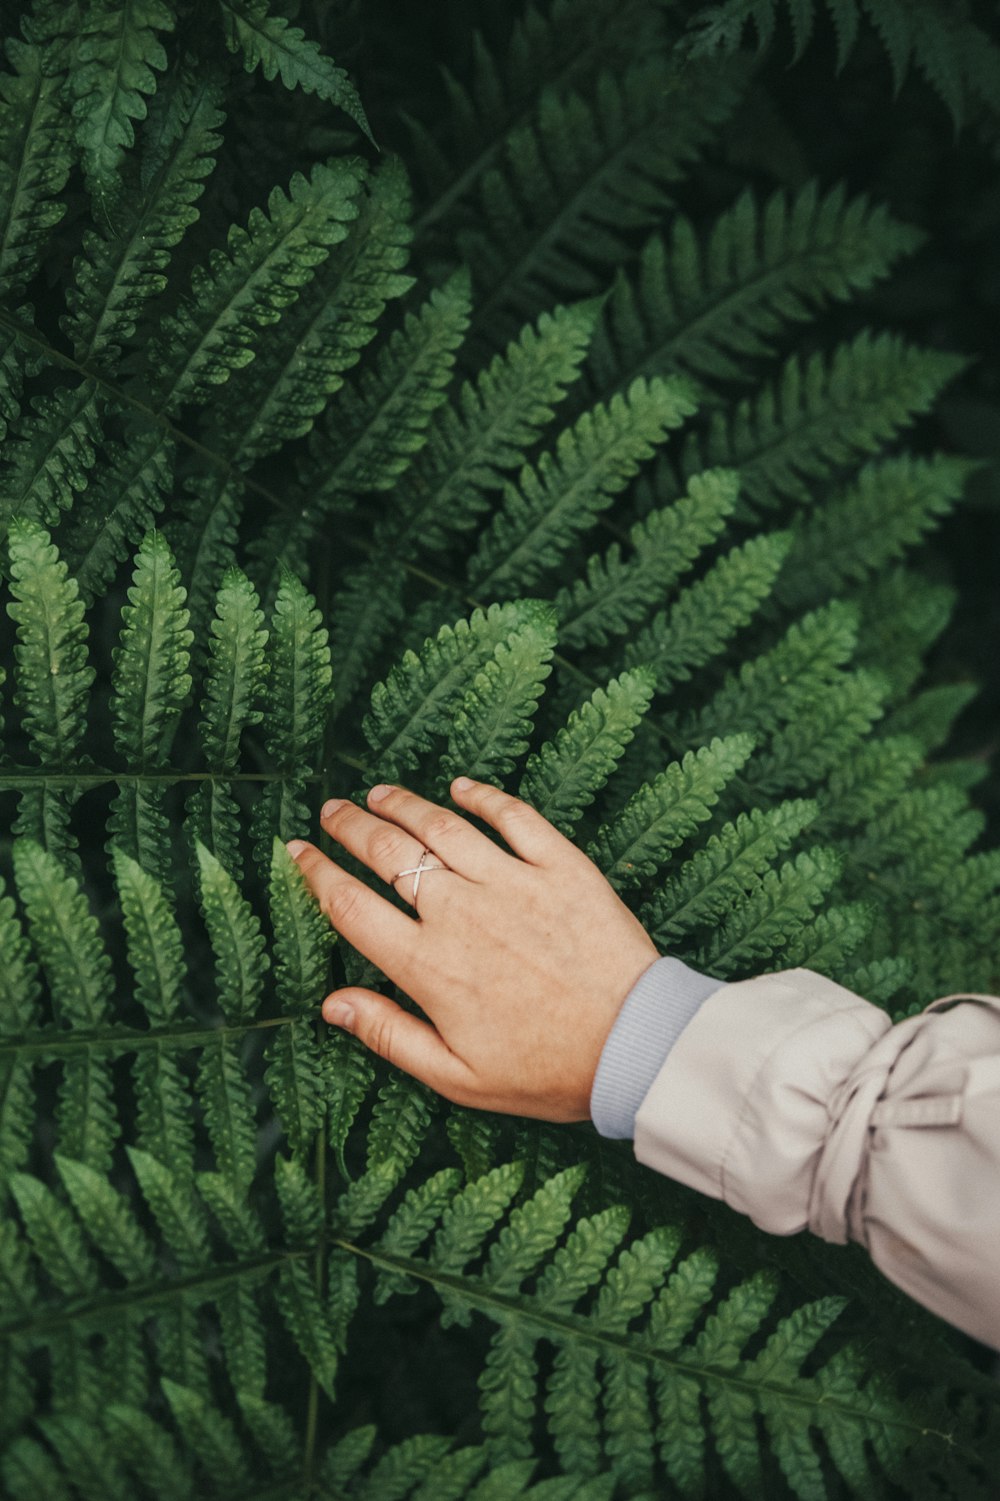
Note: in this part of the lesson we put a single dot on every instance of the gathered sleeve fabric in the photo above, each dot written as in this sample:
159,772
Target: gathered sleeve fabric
801,1105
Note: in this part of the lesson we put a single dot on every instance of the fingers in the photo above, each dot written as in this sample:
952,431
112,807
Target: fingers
461,847
403,1040
386,849
526,832
378,930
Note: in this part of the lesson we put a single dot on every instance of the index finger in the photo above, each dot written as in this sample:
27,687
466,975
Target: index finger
372,925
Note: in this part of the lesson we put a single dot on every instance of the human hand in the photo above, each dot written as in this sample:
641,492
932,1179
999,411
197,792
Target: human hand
519,961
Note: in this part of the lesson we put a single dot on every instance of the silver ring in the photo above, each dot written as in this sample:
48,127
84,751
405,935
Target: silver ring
416,871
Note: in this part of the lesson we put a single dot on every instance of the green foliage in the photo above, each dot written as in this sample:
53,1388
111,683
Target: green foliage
319,465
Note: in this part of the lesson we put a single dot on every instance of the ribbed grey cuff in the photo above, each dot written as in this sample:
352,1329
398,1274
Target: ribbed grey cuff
654,1014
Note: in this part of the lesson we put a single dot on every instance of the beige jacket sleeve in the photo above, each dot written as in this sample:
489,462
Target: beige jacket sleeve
801,1105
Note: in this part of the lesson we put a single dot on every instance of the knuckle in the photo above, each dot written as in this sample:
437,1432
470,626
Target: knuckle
439,826
381,1040
343,905
384,845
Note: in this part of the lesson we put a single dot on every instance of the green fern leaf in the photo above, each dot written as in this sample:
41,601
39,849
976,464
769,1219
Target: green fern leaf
116,275
307,1323
772,914
299,685
20,991
773,688
665,812
273,1432
55,1236
399,1123
108,1220
53,674
871,779
209,1434
829,939
566,774
164,1109
29,1470
348,1073
378,424
51,458
17,1274
65,937
17,1114
34,163
631,139
709,306
411,1225
371,606
830,729
492,725
147,1451
541,516
151,682
176,1209
236,671
302,937
295,1083
821,413
303,363
891,507
301,1207
124,500
228,1108
267,41
217,330
155,944
616,595
112,69
418,699
710,612
239,1221
241,960
473,442
717,874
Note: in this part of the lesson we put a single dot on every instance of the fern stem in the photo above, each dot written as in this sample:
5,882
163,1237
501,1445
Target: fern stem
66,1044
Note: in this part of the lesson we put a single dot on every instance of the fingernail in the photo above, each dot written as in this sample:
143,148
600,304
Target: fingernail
378,793
462,784
340,1015
295,847
330,807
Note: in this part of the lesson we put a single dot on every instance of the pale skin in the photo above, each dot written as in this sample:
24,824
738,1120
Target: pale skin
518,961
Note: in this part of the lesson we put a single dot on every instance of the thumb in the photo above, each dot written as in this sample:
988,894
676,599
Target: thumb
401,1039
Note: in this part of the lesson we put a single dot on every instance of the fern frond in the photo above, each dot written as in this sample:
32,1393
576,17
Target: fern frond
773,688
377,425
299,688
616,594
290,382
228,1108
267,41
294,1081
208,1433
55,1236
902,615
65,937
772,914
113,62
561,496
873,778
720,872
475,441
348,1073
816,740
553,219
217,330
236,671
236,937
164,1107
17,1125
35,159
155,945
418,698
308,1324
665,812
566,774
821,413
227,1198
490,728
151,682
398,1125
891,507
19,987
122,504
370,608
50,460
116,275
302,936
929,717
709,304
708,613
108,1219
828,939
